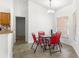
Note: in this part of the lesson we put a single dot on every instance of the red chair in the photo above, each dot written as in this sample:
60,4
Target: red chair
55,40
37,42
43,43
40,34
34,39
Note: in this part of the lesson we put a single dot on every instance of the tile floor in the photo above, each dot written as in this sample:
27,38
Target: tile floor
20,40
24,51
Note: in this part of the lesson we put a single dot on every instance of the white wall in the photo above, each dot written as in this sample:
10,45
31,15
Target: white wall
77,28
5,5
77,22
39,20
68,11
21,10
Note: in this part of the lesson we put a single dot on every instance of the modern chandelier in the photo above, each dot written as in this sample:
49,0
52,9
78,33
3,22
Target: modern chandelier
50,8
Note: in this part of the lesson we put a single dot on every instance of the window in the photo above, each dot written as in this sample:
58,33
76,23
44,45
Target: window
62,25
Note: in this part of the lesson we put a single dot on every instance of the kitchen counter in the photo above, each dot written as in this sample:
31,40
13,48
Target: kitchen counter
5,31
6,44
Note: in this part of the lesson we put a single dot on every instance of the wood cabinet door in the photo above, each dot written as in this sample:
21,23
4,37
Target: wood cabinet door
5,18
0,19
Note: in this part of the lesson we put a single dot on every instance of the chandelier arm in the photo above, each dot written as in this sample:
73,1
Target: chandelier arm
50,3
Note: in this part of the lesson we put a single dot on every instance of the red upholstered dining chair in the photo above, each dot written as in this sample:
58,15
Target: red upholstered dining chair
40,34
34,39
43,41
55,41
36,42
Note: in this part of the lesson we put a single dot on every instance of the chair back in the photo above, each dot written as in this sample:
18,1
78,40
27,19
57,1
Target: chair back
41,33
55,39
34,38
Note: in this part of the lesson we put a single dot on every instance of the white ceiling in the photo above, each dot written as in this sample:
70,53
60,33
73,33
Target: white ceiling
56,4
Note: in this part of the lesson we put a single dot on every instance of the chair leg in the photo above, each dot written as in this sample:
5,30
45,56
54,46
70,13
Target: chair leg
53,47
60,44
50,50
57,47
32,45
44,48
36,48
60,47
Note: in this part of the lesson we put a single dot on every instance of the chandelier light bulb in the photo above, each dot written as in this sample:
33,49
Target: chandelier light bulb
51,11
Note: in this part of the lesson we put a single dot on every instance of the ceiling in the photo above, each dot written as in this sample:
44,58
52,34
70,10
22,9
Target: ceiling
56,4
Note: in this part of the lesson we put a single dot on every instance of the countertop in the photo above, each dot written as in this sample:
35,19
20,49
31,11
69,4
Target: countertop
5,31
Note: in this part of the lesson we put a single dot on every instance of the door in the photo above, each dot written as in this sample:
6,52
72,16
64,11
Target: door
20,30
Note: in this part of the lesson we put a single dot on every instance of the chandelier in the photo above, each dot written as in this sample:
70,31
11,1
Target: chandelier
50,8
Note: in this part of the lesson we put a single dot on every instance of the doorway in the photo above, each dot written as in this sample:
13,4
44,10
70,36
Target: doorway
20,30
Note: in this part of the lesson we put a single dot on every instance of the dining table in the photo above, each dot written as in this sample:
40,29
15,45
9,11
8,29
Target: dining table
45,39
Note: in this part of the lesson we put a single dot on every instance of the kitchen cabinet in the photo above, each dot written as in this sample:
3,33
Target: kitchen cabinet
6,45
0,18
4,18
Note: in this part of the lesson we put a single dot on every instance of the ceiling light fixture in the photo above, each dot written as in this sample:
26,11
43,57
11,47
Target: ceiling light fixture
50,8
